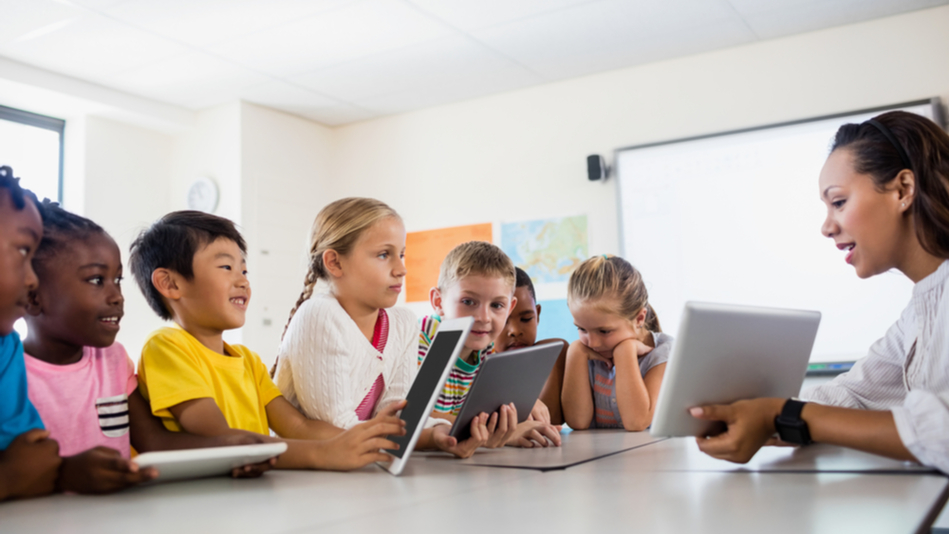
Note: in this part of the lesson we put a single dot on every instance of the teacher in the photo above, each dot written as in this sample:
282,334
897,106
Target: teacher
885,188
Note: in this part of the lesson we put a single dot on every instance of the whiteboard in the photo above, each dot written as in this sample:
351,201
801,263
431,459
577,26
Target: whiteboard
735,218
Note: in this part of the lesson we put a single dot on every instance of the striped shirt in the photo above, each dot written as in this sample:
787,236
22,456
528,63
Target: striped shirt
380,334
603,381
906,372
460,377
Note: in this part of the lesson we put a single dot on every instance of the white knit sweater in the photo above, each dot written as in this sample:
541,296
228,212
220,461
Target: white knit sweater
327,366
906,372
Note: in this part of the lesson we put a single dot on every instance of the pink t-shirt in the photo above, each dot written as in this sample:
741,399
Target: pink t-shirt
85,404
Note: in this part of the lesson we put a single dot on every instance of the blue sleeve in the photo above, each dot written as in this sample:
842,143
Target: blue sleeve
17,414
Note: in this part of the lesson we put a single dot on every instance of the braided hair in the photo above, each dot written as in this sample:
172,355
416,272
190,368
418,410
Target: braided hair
18,194
60,227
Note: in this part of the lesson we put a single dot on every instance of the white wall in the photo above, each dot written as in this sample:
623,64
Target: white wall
284,172
126,171
521,155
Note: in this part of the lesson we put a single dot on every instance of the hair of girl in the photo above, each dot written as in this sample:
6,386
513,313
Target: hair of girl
337,227
924,146
617,284
18,194
61,227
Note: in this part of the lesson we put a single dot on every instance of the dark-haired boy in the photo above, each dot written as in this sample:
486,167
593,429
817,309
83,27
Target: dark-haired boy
29,460
191,268
521,330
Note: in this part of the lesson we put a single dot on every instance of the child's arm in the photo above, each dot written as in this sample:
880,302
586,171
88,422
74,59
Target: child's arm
577,400
29,465
288,422
551,392
636,394
148,434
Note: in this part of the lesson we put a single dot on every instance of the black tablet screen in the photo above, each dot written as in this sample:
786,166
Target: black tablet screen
428,379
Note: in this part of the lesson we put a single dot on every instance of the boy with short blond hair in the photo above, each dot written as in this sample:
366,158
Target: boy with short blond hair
191,267
477,279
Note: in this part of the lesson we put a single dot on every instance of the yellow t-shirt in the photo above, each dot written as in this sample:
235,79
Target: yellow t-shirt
176,367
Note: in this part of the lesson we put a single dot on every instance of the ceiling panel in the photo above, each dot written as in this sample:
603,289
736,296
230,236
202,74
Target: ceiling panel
352,32
288,97
193,79
203,22
771,19
467,15
25,20
615,33
413,68
93,47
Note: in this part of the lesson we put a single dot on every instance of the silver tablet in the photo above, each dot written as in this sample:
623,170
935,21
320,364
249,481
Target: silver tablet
513,376
724,353
212,461
438,362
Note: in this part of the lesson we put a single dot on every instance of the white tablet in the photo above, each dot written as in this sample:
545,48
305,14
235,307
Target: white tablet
213,461
438,362
724,353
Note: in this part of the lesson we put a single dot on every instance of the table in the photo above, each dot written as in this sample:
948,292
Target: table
637,489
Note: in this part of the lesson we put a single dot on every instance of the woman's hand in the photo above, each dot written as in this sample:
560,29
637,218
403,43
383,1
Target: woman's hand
750,424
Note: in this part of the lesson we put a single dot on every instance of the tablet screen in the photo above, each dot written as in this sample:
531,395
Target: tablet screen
429,378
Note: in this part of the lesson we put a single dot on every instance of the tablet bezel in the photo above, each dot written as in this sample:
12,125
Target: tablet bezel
724,353
474,397
463,325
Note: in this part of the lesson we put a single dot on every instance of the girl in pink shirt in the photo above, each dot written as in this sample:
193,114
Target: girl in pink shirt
81,381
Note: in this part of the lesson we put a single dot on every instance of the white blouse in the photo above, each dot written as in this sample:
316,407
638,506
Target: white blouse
327,366
906,372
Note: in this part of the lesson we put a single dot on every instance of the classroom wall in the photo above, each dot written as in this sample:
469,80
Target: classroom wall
125,174
521,155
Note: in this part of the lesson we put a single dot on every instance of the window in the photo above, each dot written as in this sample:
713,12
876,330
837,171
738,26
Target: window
32,145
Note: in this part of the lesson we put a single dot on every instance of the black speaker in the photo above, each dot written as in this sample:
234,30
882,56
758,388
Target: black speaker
597,168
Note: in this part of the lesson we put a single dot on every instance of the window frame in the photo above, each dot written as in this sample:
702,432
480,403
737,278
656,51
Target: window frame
40,121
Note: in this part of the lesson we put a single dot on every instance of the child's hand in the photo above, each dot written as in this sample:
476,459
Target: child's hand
502,426
360,445
250,438
540,413
532,434
30,465
445,442
101,470
596,356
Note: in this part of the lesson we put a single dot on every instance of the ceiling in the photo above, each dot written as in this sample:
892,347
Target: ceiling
340,61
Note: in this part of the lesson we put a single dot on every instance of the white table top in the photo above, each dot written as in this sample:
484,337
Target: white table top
609,493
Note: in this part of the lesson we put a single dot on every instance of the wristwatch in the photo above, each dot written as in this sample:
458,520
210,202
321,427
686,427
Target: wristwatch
789,424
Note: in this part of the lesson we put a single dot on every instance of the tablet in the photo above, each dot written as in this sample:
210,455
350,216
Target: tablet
213,461
724,353
438,362
513,376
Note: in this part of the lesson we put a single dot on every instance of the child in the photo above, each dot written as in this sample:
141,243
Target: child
80,380
191,268
477,280
521,330
29,459
884,186
613,372
347,353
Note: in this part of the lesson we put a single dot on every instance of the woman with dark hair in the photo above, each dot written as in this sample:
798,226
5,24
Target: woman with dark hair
885,188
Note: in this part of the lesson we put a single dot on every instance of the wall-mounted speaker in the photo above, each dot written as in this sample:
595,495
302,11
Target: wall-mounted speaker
597,168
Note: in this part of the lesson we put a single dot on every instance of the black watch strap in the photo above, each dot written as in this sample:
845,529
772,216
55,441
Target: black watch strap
789,424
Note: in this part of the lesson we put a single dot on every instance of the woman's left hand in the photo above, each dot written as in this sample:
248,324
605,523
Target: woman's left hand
750,424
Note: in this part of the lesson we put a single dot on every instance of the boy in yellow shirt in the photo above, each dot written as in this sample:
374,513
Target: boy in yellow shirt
191,268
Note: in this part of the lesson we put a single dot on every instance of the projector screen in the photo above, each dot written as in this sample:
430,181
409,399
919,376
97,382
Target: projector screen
735,218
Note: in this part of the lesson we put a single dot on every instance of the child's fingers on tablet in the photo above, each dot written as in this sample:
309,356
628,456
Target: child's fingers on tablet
376,444
383,429
390,409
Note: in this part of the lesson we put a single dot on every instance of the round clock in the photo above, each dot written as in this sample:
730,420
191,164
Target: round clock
203,195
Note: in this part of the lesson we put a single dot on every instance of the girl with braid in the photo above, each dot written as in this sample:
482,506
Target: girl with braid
346,352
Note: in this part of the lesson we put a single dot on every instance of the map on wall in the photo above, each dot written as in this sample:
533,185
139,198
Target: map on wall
547,249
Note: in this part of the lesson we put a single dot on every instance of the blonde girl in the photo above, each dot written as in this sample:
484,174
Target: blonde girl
613,372
346,352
